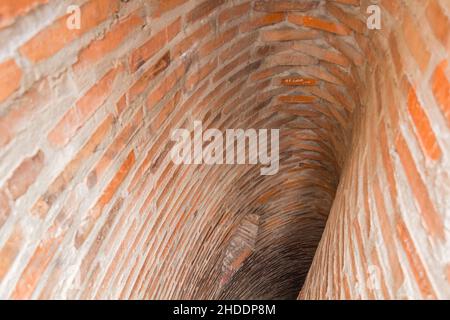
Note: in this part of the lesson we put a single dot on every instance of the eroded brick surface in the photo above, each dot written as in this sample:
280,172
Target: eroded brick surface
91,205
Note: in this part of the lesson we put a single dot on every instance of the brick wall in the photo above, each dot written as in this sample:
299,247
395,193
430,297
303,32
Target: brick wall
91,206
387,233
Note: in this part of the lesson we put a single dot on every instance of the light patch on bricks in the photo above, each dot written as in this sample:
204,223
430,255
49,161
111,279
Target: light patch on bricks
213,153
73,21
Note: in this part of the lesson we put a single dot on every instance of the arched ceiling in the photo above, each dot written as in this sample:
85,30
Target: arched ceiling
288,65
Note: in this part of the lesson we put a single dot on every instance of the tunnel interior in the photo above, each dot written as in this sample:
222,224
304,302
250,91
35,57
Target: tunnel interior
92,206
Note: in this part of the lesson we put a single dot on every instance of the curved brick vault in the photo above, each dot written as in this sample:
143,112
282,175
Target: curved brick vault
91,206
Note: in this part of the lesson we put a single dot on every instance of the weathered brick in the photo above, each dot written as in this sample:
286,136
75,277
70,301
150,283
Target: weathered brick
200,74
346,18
203,9
10,79
350,104
10,11
84,108
184,45
284,5
441,89
262,21
142,83
287,34
235,12
218,42
415,262
112,40
5,209
59,184
10,250
114,149
40,259
322,54
294,99
439,22
165,86
317,23
424,130
431,217
107,195
298,81
25,175
27,106
162,7
415,42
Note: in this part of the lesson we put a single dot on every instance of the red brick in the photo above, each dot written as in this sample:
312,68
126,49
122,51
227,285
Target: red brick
121,104
10,79
10,250
184,45
415,262
346,18
262,21
239,60
200,74
298,81
107,195
46,201
387,162
217,42
235,12
148,49
84,108
114,149
203,9
284,5
387,230
10,10
39,261
415,42
320,24
143,82
162,7
165,86
25,175
349,2
27,106
448,273
165,112
87,262
56,36
5,209
237,48
424,130
441,89
98,49
288,34
322,54
352,53
439,22
427,210
267,73
294,99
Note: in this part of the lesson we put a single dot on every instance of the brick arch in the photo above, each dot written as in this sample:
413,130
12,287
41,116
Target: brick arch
363,117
